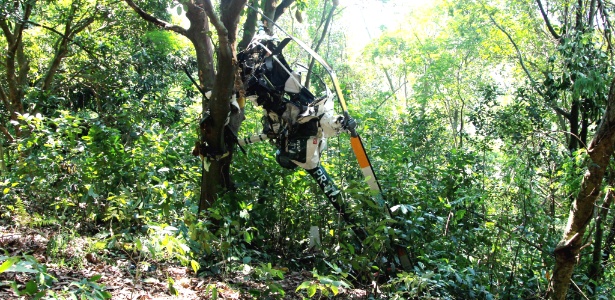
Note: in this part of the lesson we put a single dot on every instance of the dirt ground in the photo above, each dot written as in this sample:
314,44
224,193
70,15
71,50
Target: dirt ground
125,280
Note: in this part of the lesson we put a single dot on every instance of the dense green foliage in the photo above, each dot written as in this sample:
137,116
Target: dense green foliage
474,159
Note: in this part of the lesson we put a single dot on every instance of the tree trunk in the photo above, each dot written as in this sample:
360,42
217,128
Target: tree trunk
2,164
316,46
568,249
608,244
595,270
217,112
573,120
197,34
217,177
17,68
17,63
248,27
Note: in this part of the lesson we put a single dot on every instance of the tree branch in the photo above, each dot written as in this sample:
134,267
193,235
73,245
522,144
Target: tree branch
547,22
17,35
62,46
282,8
7,31
600,152
592,13
527,72
5,99
519,55
15,47
7,134
235,7
391,95
510,232
213,18
269,7
249,27
230,17
64,36
562,112
325,29
607,27
158,22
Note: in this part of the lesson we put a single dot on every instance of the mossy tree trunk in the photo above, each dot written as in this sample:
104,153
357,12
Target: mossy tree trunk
600,151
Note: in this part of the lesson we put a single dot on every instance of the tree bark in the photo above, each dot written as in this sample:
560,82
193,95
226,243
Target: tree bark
2,164
221,81
281,8
17,67
547,22
609,243
17,63
62,44
249,27
217,178
595,270
573,120
568,249
325,30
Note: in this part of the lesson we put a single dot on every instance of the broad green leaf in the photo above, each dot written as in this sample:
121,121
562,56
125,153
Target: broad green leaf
195,266
19,268
303,285
8,263
95,278
31,287
311,290
334,289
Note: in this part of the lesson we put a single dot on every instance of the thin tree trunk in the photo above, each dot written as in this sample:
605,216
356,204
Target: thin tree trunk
569,248
573,120
218,179
249,27
16,67
2,163
608,244
595,268
319,43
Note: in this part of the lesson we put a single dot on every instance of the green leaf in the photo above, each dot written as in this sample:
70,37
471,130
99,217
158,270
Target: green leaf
195,266
171,286
95,278
31,287
334,289
8,263
247,237
311,290
303,285
105,295
39,295
138,245
214,293
19,268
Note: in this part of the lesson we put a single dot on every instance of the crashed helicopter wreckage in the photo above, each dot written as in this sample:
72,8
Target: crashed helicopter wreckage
298,123
294,117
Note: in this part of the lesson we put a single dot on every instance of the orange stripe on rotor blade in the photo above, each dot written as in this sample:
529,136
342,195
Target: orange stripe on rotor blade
359,151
